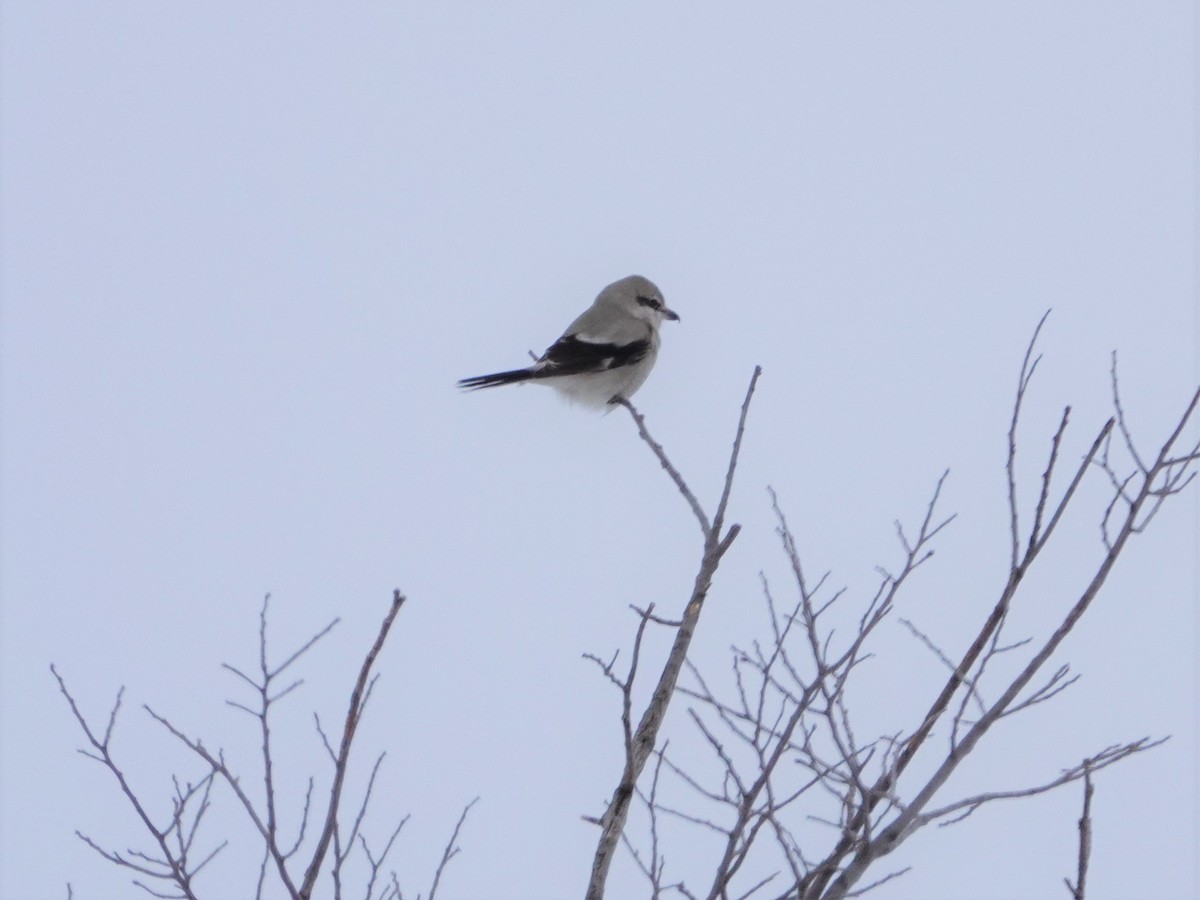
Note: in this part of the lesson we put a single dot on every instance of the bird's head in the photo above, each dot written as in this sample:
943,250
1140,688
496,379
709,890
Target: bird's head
640,298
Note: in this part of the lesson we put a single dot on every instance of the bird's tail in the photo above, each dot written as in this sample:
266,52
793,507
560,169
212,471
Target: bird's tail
516,376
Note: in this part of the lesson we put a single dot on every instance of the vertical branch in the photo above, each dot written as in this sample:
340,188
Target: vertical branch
625,685
1027,370
267,697
265,700
723,503
353,714
645,737
1055,444
1079,888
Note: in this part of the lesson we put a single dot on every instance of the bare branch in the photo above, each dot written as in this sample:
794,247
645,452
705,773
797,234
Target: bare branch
656,447
451,851
910,817
1055,444
1101,760
217,762
942,657
645,737
723,503
353,715
1079,888
171,867
1057,683
795,702
625,685
652,870
1027,370
278,670
377,863
1122,427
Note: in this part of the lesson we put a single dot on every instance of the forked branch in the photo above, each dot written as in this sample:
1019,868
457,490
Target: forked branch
175,862
790,701
640,744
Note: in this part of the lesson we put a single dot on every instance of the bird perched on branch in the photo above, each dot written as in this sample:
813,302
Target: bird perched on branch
603,355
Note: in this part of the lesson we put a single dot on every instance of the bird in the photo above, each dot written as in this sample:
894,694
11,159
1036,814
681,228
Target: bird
605,355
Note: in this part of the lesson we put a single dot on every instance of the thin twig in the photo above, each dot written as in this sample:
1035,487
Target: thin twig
656,447
353,716
451,850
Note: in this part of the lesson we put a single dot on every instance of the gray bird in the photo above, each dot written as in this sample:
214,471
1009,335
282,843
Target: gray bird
604,354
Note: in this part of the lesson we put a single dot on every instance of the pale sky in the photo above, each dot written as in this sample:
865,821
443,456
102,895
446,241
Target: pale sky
248,249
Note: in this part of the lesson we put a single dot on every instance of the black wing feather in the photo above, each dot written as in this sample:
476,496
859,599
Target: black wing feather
567,356
571,356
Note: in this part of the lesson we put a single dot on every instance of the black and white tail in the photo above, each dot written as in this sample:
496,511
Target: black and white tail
516,376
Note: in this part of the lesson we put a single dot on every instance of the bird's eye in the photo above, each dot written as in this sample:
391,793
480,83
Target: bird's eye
652,302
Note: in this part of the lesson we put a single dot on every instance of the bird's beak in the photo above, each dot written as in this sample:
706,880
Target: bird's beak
670,314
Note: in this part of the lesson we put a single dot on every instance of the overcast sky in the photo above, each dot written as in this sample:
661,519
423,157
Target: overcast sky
248,249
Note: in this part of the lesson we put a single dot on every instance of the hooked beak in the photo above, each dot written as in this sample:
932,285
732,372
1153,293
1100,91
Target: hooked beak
670,314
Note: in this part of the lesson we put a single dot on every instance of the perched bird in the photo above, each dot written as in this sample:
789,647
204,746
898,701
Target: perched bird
604,354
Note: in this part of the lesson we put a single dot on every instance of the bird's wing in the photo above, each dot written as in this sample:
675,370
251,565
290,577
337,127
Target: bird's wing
573,354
